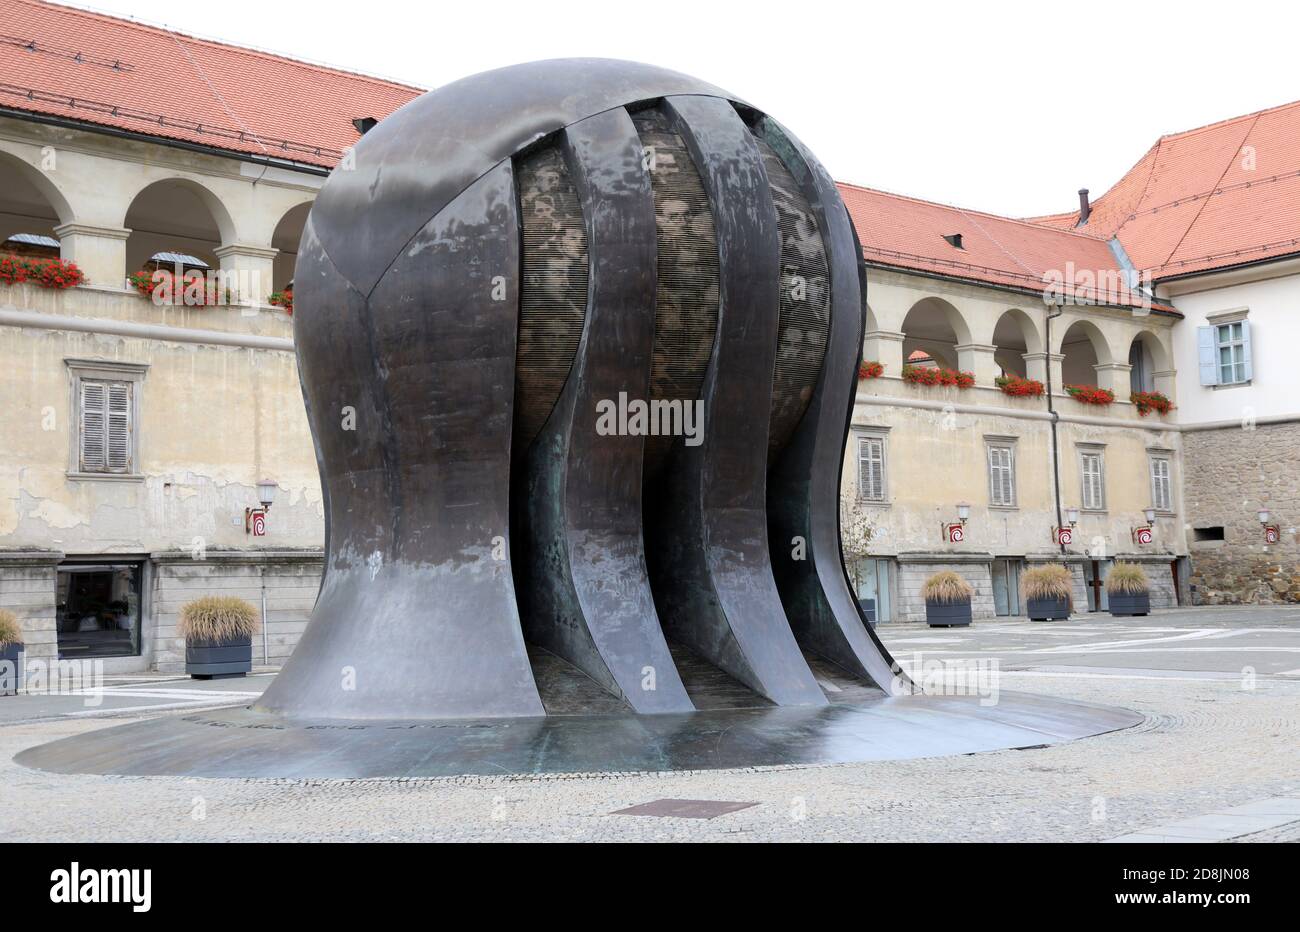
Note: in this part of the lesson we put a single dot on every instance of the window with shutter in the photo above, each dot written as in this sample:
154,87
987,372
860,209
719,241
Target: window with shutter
1161,488
1094,486
105,428
94,415
871,469
1232,346
1002,476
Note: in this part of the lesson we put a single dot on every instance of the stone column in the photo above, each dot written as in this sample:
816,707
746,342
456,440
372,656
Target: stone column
1036,368
1164,382
100,252
885,346
1115,376
978,358
251,271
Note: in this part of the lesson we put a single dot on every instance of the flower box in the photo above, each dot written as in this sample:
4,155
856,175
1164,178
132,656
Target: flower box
284,299
1017,387
931,375
1090,394
43,273
1147,402
191,289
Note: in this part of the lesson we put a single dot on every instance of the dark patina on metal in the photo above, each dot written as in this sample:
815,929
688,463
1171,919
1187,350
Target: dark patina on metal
504,256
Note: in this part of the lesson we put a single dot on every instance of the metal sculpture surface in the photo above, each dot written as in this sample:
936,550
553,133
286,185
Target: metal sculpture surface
578,341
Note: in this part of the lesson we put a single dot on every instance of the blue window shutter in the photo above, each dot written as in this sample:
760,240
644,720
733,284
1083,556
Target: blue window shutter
1206,351
1245,350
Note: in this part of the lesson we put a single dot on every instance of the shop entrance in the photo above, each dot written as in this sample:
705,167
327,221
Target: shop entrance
98,610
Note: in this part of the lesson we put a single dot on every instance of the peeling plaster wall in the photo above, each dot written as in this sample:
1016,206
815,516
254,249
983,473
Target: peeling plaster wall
213,421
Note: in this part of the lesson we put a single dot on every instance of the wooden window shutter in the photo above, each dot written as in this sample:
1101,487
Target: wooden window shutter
94,417
106,441
1207,355
871,469
1092,481
119,427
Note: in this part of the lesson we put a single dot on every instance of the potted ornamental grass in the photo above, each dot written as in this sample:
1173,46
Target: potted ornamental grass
11,653
1046,592
218,632
947,600
1127,590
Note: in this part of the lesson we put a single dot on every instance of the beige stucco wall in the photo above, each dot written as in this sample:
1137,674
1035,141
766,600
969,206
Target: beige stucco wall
936,440
213,421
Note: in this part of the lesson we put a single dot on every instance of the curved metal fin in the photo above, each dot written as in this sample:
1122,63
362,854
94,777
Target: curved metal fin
585,583
417,616
804,484
711,570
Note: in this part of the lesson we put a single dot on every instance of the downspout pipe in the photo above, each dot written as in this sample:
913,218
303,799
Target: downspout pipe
1054,311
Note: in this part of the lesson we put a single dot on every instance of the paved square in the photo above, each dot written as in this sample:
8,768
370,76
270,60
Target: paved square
1219,688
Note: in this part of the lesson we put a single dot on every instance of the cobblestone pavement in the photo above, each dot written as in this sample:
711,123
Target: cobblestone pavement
1215,736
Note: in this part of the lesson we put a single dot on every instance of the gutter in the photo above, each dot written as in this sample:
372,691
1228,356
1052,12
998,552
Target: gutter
997,286
1214,270
89,127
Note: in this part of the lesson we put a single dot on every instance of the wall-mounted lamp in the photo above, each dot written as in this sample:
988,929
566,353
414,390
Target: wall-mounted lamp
1064,536
956,533
1272,533
1145,534
255,518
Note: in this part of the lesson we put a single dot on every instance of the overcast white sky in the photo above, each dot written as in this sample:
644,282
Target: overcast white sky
1005,107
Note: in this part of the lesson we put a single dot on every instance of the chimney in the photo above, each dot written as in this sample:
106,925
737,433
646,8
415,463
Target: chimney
1085,209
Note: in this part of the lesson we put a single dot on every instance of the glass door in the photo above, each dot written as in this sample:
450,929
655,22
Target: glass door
871,581
1094,581
1006,585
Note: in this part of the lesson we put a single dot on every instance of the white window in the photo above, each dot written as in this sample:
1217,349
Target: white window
1162,497
1225,355
105,415
871,469
1093,474
1230,340
1002,475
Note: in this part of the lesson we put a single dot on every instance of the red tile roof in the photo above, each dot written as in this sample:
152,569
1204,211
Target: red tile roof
1209,198
64,62
84,66
906,233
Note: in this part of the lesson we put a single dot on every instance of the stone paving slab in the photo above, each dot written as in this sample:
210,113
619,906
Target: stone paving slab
1239,821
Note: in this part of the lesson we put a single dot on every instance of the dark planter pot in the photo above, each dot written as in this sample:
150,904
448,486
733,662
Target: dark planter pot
11,672
947,614
217,660
1048,609
1129,603
869,609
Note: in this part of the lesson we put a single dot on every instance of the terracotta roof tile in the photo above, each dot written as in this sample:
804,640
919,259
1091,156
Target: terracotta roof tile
907,233
85,66
1209,198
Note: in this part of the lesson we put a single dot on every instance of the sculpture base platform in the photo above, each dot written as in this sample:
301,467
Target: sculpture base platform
244,743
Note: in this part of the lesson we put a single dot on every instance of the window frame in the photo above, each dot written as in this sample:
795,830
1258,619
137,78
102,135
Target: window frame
881,437
1083,453
1237,344
1008,444
104,371
1166,457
